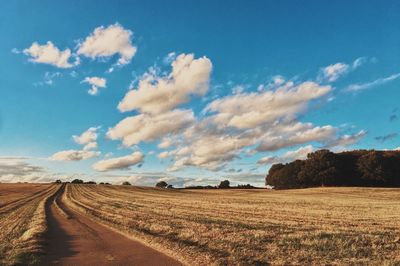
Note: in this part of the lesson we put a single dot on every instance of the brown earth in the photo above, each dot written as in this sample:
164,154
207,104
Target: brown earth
74,239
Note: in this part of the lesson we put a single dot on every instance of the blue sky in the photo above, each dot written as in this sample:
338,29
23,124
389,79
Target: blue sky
254,84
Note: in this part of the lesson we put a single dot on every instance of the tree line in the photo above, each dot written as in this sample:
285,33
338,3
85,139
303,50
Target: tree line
367,168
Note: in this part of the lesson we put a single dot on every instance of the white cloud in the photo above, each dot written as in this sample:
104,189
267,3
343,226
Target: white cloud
165,143
86,137
90,146
265,119
73,155
299,154
96,83
119,163
164,154
333,72
347,140
377,82
143,127
305,135
50,54
106,42
249,110
156,94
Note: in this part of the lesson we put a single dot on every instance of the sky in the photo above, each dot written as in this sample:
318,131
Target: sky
192,93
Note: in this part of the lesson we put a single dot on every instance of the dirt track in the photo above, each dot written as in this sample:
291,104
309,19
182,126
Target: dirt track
74,239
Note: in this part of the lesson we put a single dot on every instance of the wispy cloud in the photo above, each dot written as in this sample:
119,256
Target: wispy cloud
333,72
377,82
386,137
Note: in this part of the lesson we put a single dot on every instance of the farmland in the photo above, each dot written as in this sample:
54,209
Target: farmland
359,226
309,226
22,221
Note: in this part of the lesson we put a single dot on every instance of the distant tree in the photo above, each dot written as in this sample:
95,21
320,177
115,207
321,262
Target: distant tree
170,186
349,168
248,186
108,184
77,181
90,183
126,183
101,183
58,181
373,169
319,169
162,184
224,184
285,176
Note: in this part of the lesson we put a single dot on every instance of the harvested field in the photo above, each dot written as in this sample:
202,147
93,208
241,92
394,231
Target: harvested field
252,227
23,221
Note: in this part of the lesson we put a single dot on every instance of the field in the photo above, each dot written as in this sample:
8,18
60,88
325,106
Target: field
342,226
22,221
253,227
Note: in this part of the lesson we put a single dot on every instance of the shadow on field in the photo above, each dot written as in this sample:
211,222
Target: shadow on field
58,244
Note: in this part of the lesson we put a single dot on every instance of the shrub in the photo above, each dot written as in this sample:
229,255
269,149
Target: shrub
162,184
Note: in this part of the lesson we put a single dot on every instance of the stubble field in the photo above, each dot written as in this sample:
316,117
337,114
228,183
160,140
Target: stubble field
253,227
23,221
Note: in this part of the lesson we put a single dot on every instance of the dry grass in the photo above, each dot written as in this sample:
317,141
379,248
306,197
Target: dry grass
351,226
22,221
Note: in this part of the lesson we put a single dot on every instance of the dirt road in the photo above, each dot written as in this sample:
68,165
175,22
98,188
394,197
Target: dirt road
74,239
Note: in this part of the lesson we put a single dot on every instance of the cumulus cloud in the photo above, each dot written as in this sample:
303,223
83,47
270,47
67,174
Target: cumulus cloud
304,135
50,54
73,155
86,137
299,154
119,163
266,119
155,95
144,127
165,143
249,110
96,83
109,41
333,72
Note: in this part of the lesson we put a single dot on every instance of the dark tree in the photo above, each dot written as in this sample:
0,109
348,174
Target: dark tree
319,169
58,181
170,186
126,183
350,168
224,184
162,184
77,181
